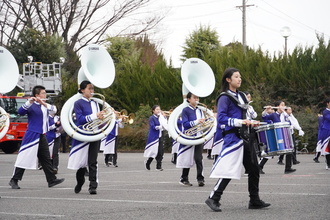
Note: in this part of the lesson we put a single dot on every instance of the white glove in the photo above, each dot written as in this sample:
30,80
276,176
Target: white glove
301,133
158,127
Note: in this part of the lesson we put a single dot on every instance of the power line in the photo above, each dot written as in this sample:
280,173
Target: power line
204,3
203,15
305,25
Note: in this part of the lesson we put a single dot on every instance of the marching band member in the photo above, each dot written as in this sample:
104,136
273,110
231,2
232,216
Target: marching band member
84,154
294,125
250,114
175,144
319,141
34,144
208,146
54,139
110,142
188,155
325,134
154,147
231,106
279,116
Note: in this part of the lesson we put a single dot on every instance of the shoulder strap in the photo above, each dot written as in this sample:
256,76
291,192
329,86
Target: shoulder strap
232,97
236,101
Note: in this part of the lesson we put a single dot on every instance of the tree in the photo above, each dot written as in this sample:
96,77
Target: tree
142,76
78,22
201,43
43,48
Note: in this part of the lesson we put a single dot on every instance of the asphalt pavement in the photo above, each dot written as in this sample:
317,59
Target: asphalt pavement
129,191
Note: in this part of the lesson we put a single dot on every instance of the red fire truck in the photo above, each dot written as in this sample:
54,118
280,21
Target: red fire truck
18,124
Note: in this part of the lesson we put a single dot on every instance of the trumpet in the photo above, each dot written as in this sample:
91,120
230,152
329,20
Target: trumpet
129,119
167,113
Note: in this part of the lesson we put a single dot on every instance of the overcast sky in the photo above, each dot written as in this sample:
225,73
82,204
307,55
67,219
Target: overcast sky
265,19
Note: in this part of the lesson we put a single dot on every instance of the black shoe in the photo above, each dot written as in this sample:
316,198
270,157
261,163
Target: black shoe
316,160
185,183
258,204
210,157
77,188
214,205
289,171
55,182
280,163
14,184
115,165
200,183
147,165
92,191
159,169
296,162
261,171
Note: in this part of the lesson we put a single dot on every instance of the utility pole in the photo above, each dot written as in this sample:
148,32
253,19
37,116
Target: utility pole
243,8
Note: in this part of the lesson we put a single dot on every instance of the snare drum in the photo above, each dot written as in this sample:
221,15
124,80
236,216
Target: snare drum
275,139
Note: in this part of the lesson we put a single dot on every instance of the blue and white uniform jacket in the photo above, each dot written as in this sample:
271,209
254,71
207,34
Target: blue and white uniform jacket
190,117
155,132
37,125
86,111
229,162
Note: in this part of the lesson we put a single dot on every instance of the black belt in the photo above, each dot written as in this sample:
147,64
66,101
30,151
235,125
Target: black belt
233,130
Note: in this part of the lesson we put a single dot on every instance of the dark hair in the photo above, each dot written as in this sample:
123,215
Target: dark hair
188,96
83,85
37,89
153,108
247,93
327,100
277,103
227,74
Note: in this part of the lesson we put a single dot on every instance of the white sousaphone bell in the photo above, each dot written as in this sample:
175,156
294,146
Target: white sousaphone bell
9,76
198,78
96,66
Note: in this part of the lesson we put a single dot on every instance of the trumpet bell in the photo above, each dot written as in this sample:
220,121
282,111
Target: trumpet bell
131,118
96,66
197,77
123,112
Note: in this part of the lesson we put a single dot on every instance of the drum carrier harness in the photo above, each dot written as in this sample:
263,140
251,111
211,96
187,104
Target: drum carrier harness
244,132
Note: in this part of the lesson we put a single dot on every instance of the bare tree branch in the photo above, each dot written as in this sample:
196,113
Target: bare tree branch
79,22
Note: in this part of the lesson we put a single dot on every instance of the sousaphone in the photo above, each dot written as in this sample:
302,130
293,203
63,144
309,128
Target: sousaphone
9,75
198,78
96,66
